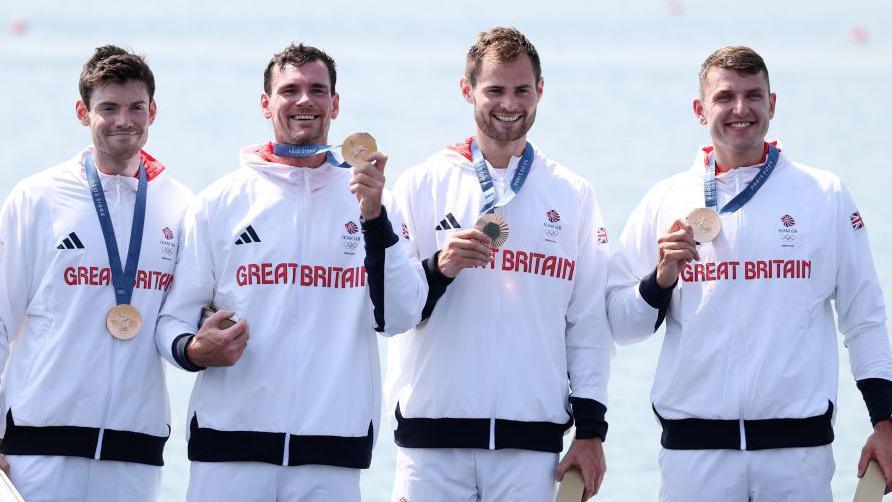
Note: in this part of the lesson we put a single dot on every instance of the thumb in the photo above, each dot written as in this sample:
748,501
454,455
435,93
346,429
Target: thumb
862,463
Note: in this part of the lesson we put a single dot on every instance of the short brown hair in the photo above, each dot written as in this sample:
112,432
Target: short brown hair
504,44
734,57
298,55
113,65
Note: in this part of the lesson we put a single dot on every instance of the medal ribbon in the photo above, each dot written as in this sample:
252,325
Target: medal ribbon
299,151
709,185
486,184
123,280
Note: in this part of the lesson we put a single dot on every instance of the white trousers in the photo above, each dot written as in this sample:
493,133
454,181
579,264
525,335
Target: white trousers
259,482
781,475
472,475
41,478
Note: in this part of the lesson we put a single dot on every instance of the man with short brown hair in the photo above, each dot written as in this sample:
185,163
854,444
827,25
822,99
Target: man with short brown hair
301,247
744,256
87,253
515,345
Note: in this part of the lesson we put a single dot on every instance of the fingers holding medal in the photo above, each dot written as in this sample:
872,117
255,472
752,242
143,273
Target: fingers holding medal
220,340
467,248
705,224
675,249
367,181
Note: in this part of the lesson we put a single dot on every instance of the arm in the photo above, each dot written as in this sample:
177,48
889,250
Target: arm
862,321
644,270
589,350
15,264
193,289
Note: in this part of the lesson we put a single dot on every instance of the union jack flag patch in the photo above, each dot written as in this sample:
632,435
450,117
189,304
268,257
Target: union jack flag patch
602,235
857,222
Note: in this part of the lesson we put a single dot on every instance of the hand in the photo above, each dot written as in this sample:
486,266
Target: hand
367,184
213,346
879,447
465,249
676,249
4,465
587,455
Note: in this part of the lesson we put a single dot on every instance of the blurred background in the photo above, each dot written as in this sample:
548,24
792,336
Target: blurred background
619,79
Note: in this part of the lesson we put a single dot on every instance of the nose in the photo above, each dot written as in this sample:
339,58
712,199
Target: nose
122,120
739,105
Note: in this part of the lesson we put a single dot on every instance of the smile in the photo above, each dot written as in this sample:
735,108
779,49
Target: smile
739,125
505,117
303,117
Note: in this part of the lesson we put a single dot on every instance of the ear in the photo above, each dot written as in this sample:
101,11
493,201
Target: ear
772,100
153,110
467,91
699,111
264,106
335,105
540,87
82,112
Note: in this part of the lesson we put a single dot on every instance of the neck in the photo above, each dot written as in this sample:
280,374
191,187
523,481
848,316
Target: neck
107,164
499,153
726,161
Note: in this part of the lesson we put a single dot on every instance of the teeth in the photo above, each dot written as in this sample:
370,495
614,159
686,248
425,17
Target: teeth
739,125
504,117
302,117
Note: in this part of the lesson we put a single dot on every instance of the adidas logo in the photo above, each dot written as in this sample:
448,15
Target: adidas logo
248,236
448,223
71,242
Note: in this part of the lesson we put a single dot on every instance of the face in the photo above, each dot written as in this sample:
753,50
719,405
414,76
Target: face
300,104
737,109
504,98
119,117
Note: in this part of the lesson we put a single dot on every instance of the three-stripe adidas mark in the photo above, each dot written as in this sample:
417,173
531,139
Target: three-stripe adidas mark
448,223
71,242
248,236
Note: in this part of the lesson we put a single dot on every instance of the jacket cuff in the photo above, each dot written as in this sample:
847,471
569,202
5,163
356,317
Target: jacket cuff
656,296
436,283
877,394
178,349
378,232
589,417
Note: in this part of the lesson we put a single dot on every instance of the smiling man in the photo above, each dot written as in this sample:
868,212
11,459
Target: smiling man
291,414
515,344
87,253
744,256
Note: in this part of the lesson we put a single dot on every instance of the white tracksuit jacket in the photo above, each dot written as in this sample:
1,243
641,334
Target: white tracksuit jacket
508,348
70,387
284,248
750,336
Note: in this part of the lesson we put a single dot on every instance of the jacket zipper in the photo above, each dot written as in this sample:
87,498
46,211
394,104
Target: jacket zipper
302,200
741,320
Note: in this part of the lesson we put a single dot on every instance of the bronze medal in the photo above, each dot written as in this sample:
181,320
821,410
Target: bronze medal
123,321
706,224
357,148
495,227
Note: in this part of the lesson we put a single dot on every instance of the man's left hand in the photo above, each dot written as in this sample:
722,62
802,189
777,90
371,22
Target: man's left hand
367,184
879,447
587,455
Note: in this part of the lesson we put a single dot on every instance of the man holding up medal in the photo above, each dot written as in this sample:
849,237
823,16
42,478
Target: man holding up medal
87,254
741,255
298,248
515,345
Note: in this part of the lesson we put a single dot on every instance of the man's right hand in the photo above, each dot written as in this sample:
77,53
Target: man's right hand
213,346
676,249
464,249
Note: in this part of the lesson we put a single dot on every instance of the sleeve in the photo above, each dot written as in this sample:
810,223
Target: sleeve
397,284
436,281
861,311
589,344
636,304
193,289
15,267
